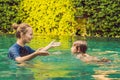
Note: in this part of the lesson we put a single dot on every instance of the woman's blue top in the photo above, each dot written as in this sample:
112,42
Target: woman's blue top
18,51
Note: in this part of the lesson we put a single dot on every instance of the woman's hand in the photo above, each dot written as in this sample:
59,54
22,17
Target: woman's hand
54,44
40,52
39,49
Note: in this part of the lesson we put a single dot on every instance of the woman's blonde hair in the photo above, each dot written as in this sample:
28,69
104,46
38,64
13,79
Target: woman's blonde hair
20,28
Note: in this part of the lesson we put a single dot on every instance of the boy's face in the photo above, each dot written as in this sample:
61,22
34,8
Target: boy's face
73,49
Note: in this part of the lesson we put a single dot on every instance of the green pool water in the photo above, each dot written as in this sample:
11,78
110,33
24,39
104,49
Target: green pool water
61,64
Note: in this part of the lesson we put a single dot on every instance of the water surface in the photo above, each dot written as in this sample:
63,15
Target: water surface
60,64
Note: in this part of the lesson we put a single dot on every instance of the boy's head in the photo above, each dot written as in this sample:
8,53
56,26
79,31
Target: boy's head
79,47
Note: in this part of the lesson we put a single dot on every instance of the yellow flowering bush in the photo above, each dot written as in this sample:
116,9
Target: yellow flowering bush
50,17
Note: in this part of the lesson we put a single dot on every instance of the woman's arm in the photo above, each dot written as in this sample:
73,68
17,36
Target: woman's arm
40,51
31,56
52,44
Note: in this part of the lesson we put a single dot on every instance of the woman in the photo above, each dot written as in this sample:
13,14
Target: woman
19,51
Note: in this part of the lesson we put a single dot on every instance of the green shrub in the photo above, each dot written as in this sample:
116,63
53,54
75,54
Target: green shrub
8,14
96,17
103,16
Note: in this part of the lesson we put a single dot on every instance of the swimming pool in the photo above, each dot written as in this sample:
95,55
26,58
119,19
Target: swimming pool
60,64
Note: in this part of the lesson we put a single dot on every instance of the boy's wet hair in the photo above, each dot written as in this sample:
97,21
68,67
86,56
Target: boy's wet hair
82,45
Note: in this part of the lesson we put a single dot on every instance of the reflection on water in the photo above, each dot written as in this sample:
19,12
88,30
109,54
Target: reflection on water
61,65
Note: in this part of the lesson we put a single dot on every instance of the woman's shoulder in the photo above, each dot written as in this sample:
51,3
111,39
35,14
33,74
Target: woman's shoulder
14,46
28,47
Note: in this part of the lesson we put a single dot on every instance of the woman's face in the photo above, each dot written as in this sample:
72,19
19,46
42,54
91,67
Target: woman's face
28,36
